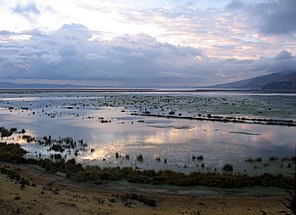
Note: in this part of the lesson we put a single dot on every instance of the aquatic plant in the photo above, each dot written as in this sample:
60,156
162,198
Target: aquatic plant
140,158
250,160
165,161
273,158
11,153
57,148
6,132
228,167
199,157
171,112
96,174
28,138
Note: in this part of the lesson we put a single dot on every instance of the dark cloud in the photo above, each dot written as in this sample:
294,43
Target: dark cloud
277,17
5,33
27,10
236,5
138,60
270,17
284,55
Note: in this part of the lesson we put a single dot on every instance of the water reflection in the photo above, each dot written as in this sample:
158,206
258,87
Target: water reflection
173,139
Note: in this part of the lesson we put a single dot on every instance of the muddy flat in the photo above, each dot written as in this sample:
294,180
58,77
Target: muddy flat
53,194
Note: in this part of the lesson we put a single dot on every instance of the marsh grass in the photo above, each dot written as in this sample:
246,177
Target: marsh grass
13,153
140,158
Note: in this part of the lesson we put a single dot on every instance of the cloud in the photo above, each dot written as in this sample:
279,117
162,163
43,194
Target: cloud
242,31
284,55
26,10
236,5
270,17
218,32
71,54
5,33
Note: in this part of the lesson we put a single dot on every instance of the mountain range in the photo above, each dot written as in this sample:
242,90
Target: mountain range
10,85
282,81
274,81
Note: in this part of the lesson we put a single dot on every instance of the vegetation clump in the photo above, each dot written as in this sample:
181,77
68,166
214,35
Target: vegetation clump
11,153
228,167
28,138
140,158
131,199
273,158
199,157
57,148
5,132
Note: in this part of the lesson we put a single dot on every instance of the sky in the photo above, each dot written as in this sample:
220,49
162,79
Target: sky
145,43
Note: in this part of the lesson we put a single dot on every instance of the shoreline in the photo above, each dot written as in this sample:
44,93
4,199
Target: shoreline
52,193
14,153
30,189
143,90
149,189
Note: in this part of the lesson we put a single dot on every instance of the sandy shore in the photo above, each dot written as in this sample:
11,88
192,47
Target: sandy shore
53,194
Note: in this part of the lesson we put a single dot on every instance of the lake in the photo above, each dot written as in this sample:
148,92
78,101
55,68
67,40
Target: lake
171,130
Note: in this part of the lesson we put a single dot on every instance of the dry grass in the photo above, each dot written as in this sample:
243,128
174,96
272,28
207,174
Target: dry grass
58,195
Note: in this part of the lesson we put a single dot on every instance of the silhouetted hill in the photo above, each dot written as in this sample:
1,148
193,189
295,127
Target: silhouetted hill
275,81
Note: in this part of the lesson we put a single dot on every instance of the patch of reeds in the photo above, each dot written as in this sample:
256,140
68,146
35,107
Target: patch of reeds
140,158
13,153
228,167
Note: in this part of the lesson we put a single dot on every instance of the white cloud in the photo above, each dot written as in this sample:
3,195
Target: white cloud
69,54
157,42
206,24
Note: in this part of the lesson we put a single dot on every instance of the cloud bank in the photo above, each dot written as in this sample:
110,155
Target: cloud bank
147,43
270,17
73,54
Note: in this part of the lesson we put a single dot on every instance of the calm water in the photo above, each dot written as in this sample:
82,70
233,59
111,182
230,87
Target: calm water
80,115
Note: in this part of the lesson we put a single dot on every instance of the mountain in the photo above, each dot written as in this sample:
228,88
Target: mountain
275,81
9,85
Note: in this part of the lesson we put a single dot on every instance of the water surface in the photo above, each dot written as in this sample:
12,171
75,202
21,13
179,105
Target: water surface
106,122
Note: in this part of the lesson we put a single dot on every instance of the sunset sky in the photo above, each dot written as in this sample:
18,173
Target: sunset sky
133,43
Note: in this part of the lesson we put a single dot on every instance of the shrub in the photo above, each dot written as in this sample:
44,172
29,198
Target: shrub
57,148
12,153
150,202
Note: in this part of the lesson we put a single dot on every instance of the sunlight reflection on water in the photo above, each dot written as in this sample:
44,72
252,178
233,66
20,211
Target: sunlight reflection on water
175,140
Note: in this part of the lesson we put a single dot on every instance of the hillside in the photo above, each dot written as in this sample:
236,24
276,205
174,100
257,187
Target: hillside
275,81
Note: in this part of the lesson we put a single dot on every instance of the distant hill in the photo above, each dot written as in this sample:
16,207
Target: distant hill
9,85
275,81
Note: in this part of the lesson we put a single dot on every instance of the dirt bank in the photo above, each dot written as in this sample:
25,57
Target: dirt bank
46,193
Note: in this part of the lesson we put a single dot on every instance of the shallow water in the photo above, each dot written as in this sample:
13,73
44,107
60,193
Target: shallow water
105,121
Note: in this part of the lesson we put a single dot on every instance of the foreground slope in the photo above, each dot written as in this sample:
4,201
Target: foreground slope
47,193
